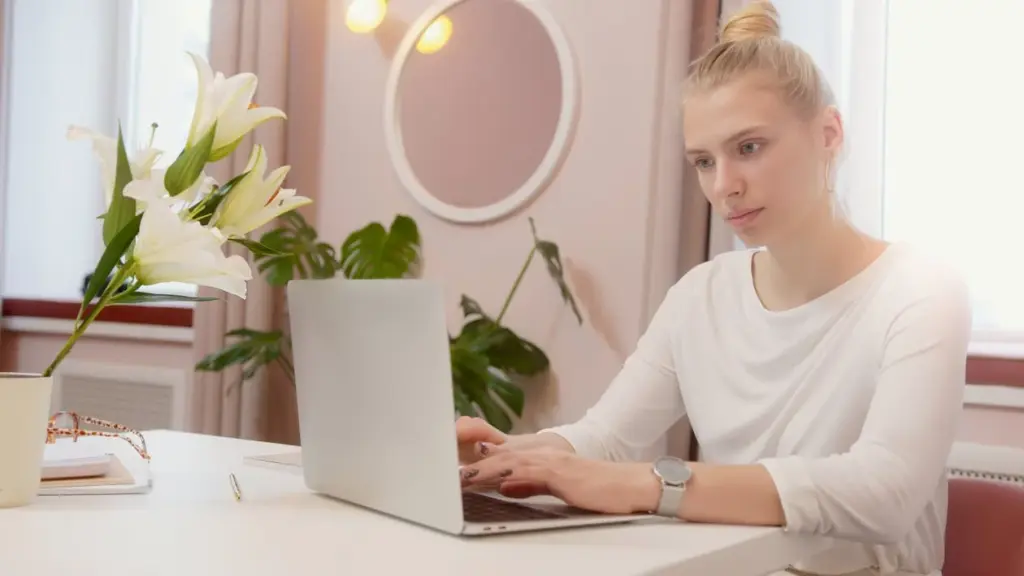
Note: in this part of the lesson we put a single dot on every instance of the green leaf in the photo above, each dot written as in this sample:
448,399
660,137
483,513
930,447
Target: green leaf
299,252
225,150
483,356
463,405
116,248
509,393
208,206
151,297
252,350
472,381
189,164
121,209
256,248
503,348
375,252
471,308
549,250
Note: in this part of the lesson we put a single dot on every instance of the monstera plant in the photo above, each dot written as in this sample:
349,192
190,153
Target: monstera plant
487,357
294,250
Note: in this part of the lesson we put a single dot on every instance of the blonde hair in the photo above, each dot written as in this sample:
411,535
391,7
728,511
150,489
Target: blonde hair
750,41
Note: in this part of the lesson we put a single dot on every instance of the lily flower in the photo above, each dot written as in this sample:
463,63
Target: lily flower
228,103
254,201
151,190
105,149
169,249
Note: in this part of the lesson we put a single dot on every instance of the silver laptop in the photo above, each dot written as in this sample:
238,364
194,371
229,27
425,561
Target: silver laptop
376,411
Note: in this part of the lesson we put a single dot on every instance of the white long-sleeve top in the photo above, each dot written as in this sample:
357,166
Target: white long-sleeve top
851,401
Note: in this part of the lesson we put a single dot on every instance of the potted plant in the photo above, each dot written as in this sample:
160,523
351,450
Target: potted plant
161,225
487,357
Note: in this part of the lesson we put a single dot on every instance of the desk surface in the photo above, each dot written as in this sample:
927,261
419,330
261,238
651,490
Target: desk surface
191,524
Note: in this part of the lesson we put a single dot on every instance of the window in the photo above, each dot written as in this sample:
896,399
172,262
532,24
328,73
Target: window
953,114
932,105
93,64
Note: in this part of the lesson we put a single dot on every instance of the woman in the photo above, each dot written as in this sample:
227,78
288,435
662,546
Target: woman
823,374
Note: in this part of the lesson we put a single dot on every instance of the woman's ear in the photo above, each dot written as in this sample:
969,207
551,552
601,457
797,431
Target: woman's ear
832,131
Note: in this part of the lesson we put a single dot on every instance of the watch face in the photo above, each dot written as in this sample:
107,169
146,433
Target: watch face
672,470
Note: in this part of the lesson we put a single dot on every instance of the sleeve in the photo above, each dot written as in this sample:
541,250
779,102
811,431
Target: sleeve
642,401
876,491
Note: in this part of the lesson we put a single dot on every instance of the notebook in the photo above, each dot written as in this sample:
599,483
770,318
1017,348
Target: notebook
289,461
93,466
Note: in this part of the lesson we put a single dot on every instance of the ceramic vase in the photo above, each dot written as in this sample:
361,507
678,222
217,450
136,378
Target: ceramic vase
24,412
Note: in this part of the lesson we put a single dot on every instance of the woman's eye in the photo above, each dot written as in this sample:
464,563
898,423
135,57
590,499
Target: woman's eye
748,148
703,163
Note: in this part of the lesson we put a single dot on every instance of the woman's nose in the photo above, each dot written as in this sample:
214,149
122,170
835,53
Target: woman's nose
727,182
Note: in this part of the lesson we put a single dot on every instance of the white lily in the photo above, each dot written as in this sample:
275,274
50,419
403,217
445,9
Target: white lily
254,201
151,190
169,249
104,147
228,102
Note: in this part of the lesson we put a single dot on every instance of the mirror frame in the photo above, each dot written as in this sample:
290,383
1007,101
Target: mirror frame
549,164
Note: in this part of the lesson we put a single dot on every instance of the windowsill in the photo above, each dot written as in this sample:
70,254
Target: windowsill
143,322
148,314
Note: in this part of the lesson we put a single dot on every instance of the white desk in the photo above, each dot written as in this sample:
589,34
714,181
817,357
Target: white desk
191,524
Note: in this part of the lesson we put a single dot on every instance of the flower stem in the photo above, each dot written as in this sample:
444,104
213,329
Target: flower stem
515,285
80,327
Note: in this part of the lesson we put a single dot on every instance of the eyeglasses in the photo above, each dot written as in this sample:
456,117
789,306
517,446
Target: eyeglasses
75,431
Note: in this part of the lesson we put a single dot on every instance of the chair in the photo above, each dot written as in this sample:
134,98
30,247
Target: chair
985,520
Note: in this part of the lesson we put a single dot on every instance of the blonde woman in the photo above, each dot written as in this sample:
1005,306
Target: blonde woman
823,374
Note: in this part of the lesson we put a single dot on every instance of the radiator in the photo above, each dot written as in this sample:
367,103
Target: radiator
141,397
985,462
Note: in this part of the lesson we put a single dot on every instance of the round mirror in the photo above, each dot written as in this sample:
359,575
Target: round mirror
480,107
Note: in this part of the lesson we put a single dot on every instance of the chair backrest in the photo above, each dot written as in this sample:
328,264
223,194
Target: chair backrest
985,522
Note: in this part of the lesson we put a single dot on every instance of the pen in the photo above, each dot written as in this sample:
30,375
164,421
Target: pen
235,488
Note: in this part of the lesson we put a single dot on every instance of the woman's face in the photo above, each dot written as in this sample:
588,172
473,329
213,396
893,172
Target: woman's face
760,164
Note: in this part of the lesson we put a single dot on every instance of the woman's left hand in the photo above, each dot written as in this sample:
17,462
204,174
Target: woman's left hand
596,485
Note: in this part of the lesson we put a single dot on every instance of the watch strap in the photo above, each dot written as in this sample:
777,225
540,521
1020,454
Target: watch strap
671,498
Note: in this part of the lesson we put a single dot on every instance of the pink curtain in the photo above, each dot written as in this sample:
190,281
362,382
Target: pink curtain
696,229
246,36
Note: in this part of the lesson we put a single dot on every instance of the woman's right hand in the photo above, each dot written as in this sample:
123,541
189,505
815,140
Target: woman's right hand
471,434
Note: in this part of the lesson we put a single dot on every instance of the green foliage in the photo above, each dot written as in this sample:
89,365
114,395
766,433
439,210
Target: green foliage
188,166
374,252
487,357
299,252
253,350
121,209
294,250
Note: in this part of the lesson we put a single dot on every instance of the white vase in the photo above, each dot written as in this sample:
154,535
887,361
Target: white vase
24,412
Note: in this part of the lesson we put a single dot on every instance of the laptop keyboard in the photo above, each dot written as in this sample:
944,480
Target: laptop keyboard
479,508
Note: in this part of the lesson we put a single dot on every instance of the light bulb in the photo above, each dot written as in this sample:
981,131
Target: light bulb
365,15
435,36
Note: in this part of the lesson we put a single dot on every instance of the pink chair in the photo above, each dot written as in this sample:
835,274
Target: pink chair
984,528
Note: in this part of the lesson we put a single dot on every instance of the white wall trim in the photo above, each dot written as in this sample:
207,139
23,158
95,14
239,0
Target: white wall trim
177,379
994,396
120,330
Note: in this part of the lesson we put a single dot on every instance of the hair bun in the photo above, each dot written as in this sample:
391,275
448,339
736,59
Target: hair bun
757,19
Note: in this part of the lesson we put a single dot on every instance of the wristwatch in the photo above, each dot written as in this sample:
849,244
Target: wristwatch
673,473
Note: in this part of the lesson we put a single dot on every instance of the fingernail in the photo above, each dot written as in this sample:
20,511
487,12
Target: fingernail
505,473
469,474
484,448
